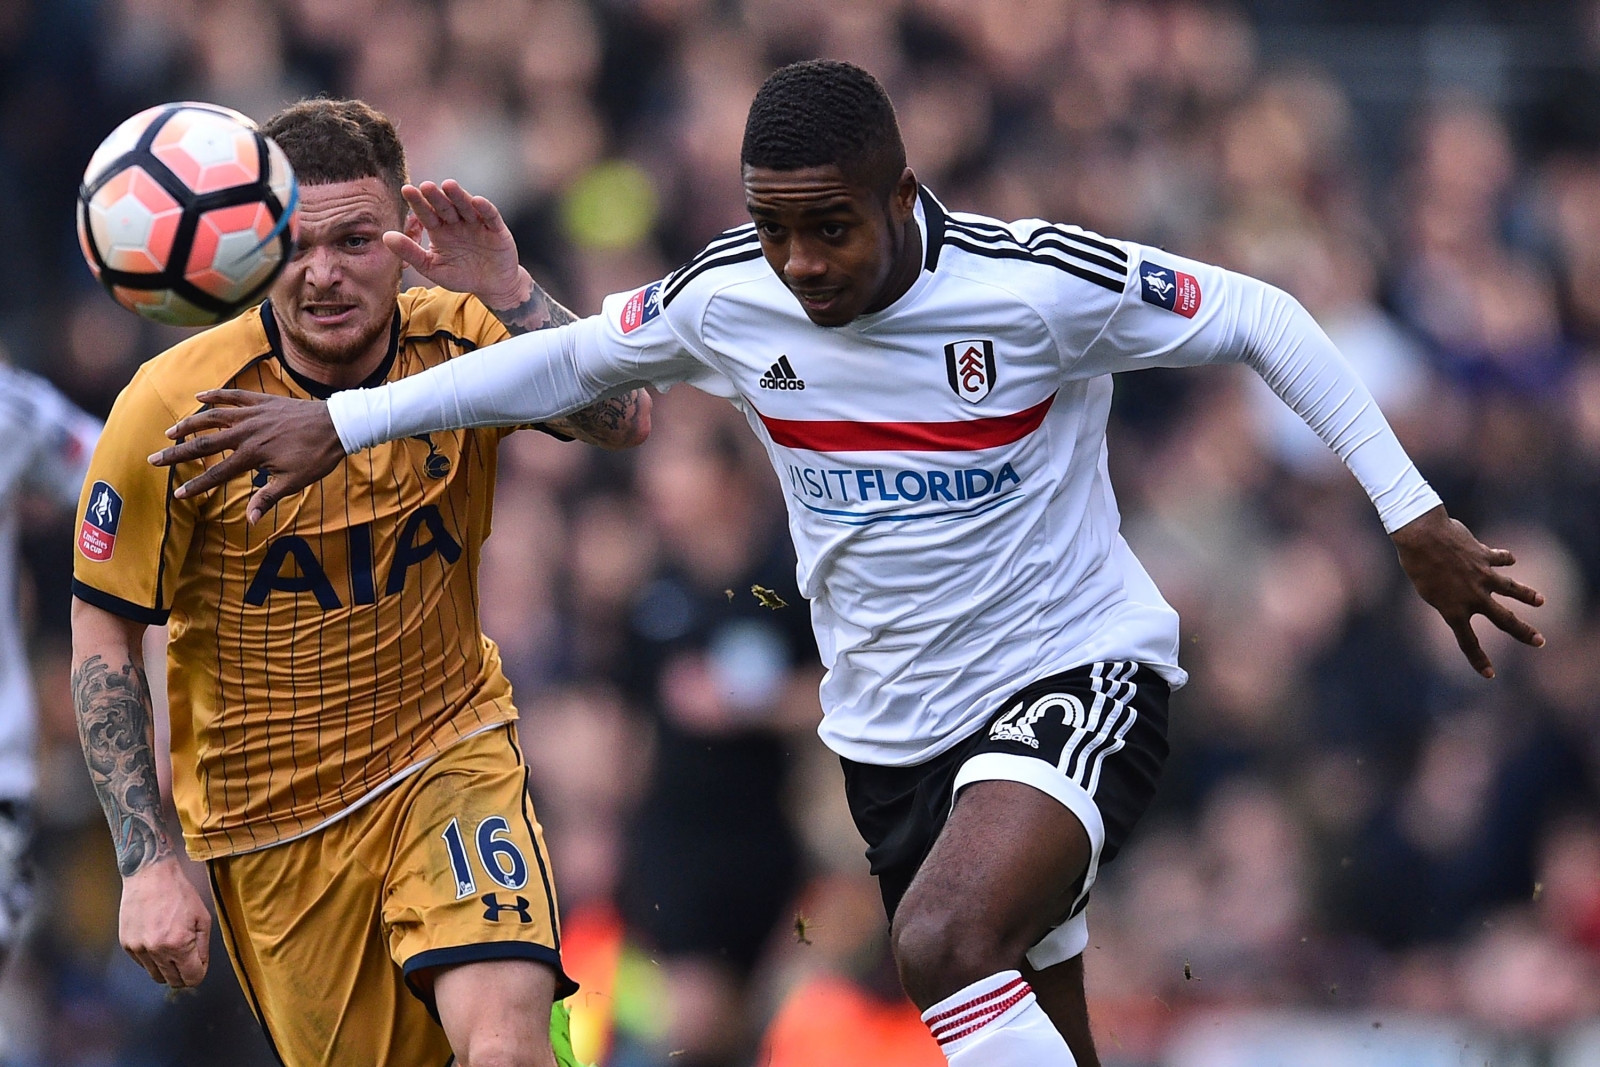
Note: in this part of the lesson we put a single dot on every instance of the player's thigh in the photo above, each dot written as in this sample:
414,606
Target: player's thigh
497,1011
1046,792
300,922
470,879
1002,873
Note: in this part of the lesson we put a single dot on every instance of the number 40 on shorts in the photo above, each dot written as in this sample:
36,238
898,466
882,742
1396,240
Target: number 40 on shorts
499,856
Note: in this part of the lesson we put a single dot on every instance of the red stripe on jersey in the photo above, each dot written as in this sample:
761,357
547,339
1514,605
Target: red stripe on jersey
962,435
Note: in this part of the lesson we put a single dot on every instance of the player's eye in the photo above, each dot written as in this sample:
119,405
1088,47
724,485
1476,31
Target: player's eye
771,230
832,231
357,240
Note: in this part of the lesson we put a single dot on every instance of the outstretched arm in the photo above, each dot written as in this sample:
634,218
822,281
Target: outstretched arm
533,378
1450,569
1238,319
472,251
163,925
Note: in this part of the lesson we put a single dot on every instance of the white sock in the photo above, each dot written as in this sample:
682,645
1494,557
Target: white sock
997,1022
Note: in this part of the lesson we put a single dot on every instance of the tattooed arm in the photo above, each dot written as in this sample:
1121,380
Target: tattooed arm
164,924
614,423
118,735
471,250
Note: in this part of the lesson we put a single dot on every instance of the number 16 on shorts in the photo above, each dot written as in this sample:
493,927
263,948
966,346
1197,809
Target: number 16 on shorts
498,855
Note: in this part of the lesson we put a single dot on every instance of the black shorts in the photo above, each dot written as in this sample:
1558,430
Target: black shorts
1094,737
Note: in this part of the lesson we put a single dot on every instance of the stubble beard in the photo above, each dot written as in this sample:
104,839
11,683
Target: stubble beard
336,355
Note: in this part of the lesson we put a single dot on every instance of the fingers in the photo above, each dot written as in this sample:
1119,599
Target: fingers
447,204
407,249
171,974
178,966
276,489
488,213
1508,621
147,961
1468,641
223,408
460,200
228,469
206,444
1500,557
192,963
420,206
1508,586
212,418
440,203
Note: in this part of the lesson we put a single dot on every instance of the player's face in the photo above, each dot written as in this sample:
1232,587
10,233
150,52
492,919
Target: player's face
336,297
840,247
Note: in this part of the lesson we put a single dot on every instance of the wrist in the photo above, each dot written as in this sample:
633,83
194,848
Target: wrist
1421,526
512,295
164,862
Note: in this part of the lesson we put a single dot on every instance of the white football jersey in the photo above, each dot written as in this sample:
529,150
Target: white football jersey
943,460
48,445
944,467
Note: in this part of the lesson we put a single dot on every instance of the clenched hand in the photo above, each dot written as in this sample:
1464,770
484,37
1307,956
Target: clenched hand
294,441
1456,573
164,925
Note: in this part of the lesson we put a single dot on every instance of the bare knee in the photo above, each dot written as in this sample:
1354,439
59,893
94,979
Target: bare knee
940,950
496,1013
498,1050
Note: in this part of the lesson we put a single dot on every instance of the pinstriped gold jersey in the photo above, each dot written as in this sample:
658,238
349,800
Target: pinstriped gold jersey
318,655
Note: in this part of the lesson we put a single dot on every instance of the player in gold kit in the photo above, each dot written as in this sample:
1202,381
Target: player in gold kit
343,759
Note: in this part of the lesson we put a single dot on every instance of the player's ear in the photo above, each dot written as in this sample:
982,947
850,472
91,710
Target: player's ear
412,226
903,202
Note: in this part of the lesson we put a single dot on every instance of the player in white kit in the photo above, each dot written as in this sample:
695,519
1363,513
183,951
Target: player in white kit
933,388
48,445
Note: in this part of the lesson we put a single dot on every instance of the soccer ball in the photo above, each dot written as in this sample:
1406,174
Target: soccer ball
186,213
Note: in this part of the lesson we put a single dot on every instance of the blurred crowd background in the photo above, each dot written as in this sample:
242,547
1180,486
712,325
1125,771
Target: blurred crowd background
1360,852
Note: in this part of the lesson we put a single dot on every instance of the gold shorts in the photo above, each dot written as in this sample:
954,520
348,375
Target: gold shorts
328,932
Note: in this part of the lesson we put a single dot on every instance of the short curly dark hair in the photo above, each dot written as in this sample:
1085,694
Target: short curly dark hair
820,112
330,141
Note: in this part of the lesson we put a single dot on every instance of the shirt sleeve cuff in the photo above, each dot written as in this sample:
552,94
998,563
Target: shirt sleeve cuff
117,606
351,419
1417,501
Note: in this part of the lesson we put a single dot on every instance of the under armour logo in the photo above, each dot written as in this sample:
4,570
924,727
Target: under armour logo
492,908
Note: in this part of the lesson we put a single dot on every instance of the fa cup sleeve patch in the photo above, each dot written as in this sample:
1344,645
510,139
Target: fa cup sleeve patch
97,537
641,307
1171,289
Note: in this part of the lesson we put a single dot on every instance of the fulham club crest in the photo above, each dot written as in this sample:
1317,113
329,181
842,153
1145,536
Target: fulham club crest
971,368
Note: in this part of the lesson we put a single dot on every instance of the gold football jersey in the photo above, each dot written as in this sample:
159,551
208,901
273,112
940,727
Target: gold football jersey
315,657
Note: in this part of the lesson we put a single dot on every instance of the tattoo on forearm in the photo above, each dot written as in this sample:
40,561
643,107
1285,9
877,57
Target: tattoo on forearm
609,422
538,312
117,731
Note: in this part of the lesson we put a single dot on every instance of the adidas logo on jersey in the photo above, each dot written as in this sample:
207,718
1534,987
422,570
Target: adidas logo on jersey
782,376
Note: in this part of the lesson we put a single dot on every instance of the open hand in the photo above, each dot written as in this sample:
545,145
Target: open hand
294,441
1455,572
164,925
470,249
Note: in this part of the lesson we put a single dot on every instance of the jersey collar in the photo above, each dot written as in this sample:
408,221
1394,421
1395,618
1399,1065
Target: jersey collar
930,216
311,385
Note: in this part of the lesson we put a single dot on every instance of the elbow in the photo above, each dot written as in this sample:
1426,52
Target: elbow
632,431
